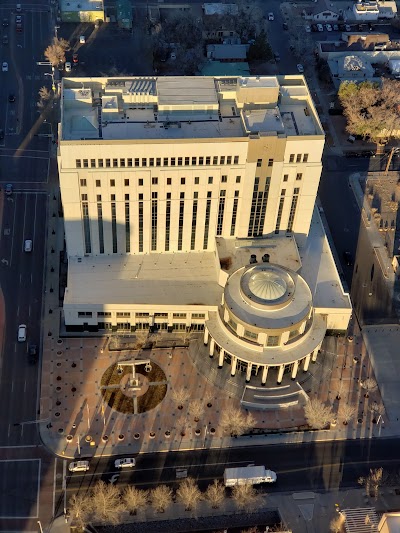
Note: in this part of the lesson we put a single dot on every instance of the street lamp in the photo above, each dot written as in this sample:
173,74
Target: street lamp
40,526
55,30
53,86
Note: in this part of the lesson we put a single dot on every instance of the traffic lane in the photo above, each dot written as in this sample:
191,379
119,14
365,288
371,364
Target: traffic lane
24,167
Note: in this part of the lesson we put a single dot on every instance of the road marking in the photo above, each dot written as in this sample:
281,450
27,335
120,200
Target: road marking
9,430
18,311
12,237
34,225
29,310
25,156
114,478
24,386
12,386
54,486
20,276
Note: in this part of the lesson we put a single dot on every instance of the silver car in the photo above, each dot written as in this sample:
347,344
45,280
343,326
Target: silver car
126,462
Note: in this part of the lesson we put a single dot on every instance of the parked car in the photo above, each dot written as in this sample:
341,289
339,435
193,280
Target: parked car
5,39
68,67
300,68
320,27
5,22
285,26
82,39
308,28
4,66
22,333
328,27
9,189
277,57
28,245
18,8
79,466
335,27
126,462
75,59
314,27
11,98
271,16
33,354
347,27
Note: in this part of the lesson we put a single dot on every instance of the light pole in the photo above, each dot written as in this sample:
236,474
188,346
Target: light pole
40,526
205,434
55,31
78,440
380,421
88,416
53,85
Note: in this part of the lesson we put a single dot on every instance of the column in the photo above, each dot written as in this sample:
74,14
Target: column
294,370
205,340
280,374
314,355
233,365
248,372
212,346
221,358
306,363
264,375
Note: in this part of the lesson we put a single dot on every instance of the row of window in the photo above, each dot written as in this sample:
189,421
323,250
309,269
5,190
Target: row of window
154,196
298,158
126,326
144,162
154,181
127,314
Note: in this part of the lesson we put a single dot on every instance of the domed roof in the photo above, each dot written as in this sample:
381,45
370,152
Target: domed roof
267,285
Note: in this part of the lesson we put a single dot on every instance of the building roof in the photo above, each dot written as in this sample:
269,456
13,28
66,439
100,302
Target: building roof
223,68
227,51
81,5
220,9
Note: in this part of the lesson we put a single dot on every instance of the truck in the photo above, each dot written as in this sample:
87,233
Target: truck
248,475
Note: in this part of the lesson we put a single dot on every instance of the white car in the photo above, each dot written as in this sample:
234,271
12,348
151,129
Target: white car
300,68
320,27
126,462
308,29
82,39
22,333
4,66
28,245
79,466
328,27
68,67
271,16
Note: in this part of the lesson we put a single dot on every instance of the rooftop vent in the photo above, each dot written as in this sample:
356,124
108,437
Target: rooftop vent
253,259
265,258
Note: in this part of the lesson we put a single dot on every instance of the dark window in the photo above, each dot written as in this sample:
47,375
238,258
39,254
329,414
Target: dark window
215,160
298,158
126,182
100,163
93,163
259,162
238,178
137,162
229,160
130,161
222,160
224,179
140,182
208,160
98,183
78,163
183,181
291,158
169,181
270,162
196,180
122,162
115,162
83,183
108,163
305,158
210,180
112,183
144,161
285,177
299,176
154,181
236,160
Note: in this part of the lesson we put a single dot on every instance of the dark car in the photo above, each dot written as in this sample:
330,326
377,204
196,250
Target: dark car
8,189
314,28
5,22
33,356
342,27
11,98
348,258
75,59
1,135
5,39
285,26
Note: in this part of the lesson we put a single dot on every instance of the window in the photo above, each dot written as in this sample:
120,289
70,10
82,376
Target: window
122,162
215,160
198,315
173,161
298,158
108,162
160,315
112,198
222,160
86,227
127,226
273,340
201,160
104,313
291,158
196,180
238,178
115,162
224,179
140,182
151,162
232,324
210,180
305,158
187,161
154,214
85,163
285,177
234,214
221,209
167,221
258,208
126,182
280,209
299,176
194,161
179,315
154,181
142,315
83,183
179,161
98,183
165,161
127,197
270,162
114,227
140,197
137,163
169,181
123,314
236,160
78,163
259,162
130,161
112,183
183,181
158,162
93,163
229,160
100,163
84,313
144,161
293,209
207,221
180,221
194,222
98,197
250,334
208,160
140,216
84,197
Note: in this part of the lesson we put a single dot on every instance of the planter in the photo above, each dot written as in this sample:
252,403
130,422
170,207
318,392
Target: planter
121,436
183,433
197,432
338,397
359,420
167,434
355,359
88,438
333,423
136,436
350,338
59,341
212,431
180,407
104,438
197,419
152,435
69,438
209,404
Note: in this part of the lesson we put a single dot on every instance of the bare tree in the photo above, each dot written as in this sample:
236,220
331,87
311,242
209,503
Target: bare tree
134,499
55,52
281,528
80,510
235,422
347,412
180,396
377,409
372,482
189,494
161,498
196,409
44,97
215,493
246,497
318,415
106,502
369,385
181,425
253,529
337,523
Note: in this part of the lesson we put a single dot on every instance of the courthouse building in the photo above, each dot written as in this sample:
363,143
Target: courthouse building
189,204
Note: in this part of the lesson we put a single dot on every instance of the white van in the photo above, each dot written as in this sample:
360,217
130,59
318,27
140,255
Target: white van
28,245
22,333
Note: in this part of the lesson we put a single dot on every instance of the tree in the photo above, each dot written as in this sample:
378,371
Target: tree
55,52
371,109
196,409
161,498
215,493
337,523
181,425
347,412
134,499
189,494
369,385
235,422
282,528
44,97
106,502
300,43
80,510
246,497
372,482
318,415
180,396
260,49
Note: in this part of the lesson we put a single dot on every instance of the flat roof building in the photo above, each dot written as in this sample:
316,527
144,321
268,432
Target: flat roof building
189,205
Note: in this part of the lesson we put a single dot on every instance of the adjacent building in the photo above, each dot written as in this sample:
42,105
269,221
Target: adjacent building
81,10
189,206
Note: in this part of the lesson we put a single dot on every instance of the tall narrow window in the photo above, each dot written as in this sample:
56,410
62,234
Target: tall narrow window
154,221
127,229
167,222
292,213
280,209
86,227
140,226
221,209
100,226
258,209
180,226
207,222
234,215
194,222
114,226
